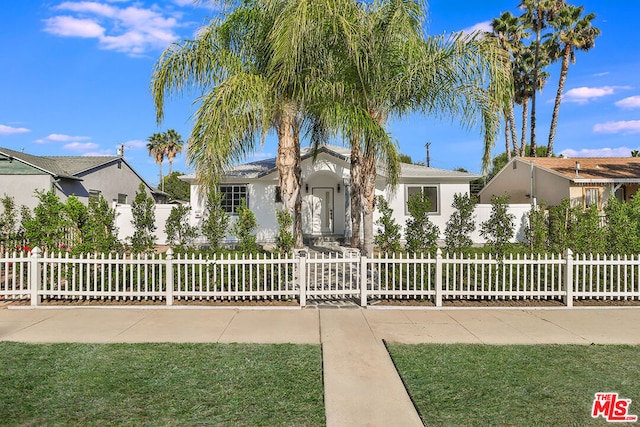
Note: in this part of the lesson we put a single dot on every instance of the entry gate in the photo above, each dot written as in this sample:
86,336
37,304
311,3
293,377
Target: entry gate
331,276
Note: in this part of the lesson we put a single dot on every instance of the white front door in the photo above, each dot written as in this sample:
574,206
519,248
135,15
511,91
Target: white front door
322,210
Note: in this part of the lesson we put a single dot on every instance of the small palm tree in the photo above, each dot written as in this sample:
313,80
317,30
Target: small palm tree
157,150
173,146
572,33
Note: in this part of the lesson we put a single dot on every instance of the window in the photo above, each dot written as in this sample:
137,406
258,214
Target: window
232,194
591,196
122,199
431,191
94,194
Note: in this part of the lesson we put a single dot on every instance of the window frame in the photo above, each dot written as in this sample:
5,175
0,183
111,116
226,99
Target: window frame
585,203
422,187
231,206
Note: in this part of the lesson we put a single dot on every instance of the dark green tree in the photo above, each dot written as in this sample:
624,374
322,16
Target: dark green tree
144,218
285,239
499,228
216,220
177,188
460,224
421,234
243,229
538,228
8,222
387,238
179,232
47,227
99,232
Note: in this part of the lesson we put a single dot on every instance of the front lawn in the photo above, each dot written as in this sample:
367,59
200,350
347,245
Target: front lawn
161,384
544,385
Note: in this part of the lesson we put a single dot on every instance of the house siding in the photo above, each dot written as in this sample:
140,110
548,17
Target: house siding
22,188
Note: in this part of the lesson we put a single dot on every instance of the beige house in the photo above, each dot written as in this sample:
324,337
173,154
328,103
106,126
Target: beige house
585,181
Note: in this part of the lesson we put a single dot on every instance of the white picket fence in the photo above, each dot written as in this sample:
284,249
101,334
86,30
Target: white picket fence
168,279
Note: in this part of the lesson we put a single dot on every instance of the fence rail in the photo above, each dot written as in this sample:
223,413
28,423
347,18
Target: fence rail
165,279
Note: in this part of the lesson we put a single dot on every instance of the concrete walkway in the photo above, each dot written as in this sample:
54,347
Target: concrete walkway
361,384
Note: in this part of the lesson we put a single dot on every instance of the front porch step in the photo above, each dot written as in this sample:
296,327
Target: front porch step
324,240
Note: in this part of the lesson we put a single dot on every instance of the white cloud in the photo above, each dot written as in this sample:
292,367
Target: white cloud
80,146
629,103
68,26
624,127
582,95
56,137
10,130
601,74
598,152
134,144
98,153
484,26
133,30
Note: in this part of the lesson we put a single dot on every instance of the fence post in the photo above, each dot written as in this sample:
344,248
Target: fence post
438,284
34,279
302,277
169,276
363,280
568,278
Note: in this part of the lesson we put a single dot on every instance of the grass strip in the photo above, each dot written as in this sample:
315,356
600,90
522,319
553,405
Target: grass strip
542,385
161,384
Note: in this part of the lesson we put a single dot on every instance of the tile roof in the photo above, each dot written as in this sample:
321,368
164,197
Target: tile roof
60,166
591,168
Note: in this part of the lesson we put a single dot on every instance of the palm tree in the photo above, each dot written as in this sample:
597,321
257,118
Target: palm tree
157,150
572,33
243,98
173,146
537,14
378,65
509,31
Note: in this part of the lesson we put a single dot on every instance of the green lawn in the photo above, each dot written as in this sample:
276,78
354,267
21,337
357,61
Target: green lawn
161,384
546,385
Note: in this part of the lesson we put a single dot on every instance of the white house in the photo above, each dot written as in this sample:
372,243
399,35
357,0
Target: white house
325,193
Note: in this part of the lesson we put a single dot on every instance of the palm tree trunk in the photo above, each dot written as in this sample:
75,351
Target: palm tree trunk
355,192
288,165
525,114
536,65
161,180
368,197
556,108
507,140
512,128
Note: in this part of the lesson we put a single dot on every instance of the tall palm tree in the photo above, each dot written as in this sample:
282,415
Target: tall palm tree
173,146
510,32
157,150
242,97
379,66
537,15
573,32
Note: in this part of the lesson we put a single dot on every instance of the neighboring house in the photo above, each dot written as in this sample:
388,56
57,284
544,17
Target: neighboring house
325,193
85,177
584,181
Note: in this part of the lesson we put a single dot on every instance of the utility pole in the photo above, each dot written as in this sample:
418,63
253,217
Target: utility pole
427,146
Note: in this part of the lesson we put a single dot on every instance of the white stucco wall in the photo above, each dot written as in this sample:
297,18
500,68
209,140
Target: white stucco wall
124,217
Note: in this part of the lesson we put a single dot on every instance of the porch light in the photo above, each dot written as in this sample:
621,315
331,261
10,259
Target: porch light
306,187
338,188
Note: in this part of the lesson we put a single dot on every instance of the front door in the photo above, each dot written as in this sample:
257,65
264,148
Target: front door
322,210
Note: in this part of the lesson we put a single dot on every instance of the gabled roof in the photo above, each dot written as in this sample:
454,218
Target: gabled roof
261,168
60,166
590,169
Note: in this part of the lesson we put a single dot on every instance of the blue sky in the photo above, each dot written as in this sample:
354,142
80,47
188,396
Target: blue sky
75,79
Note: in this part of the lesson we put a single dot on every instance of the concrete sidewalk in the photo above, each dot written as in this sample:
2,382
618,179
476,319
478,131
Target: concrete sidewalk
361,384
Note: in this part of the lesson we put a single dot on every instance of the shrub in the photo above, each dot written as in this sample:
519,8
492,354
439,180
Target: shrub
498,229
538,229
179,232
285,239
460,224
387,238
216,220
243,228
143,222
422,235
